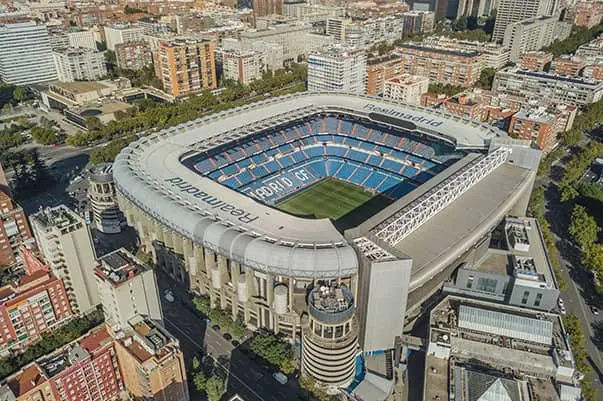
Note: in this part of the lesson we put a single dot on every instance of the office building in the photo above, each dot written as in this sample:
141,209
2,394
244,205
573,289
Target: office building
31,306
536,61
127,287
534,34
106,216
493,55
441,65
85,370
555,88
567,65
25,54
510,11
186,66
79,64
330,335
14,228
123,33
151,362
66,244
133,55
405,89
480,350
337,69
242,66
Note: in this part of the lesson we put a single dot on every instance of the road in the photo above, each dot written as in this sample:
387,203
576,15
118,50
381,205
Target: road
580,294
246,377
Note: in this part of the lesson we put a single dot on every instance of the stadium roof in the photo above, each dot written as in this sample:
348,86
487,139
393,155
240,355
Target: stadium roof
506,324
150,173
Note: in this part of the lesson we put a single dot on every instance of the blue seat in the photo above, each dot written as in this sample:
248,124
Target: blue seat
333,166
230,169
391,165
332,124
231,183
357,155
374,180
245,177
259,158
387,184
272,166
318,168
346,171
214,175
360,175
392,140
314,151
410,171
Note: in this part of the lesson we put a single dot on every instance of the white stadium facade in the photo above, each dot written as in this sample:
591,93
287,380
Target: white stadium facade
202,194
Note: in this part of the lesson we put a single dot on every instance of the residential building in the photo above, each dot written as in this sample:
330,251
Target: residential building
86,370
465,105
380,69
33,305
263,8
405,89
79,64
594,71
151,362
242,66
433,99
127,287
440,65
540,127
312,13
29,384
587,13
133,55
494,55
539,85
512,268
186,66
25,54
592,49
418,22
364,10
73,37
510,11
102,200
365,33
567,65
290,35
479,350
66,244
123,33
536,60
14,228
534,34
337,69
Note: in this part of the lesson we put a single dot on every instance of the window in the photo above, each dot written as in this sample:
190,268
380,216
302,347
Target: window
538,299
470,282
526,295
486,284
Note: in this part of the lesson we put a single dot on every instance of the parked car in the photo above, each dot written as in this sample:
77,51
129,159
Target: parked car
560,302
562,310
280,377
227,336
594,310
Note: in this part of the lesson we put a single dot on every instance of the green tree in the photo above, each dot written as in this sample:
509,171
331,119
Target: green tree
200,381
214,388
93,124
45,136
486,78
592,258
19,93
583,228
460,24
202,304
449,90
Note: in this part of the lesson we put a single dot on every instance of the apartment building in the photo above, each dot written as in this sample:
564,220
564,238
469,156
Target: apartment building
127,287
73,37
29,384
25,54
262,8
14,229
29,307
587,13
567,65
555,88
123,33
511,11
494,55
465,105
242,66
538,127
441,65
79,64
380,69
337,69
536,60
86,370
594,71
592,49
133,55
405,89
151,362
415,21
292,36
534,34
186,66
102,199
66,244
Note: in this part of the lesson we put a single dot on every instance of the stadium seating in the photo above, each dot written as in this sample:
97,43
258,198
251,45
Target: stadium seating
275,163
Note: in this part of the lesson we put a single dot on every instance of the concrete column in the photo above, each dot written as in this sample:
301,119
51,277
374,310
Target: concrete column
222,262
209,262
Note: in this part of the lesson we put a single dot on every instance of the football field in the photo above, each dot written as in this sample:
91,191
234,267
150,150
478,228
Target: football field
332,199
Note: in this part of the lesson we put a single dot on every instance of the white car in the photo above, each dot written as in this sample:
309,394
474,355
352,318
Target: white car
560,303
562,310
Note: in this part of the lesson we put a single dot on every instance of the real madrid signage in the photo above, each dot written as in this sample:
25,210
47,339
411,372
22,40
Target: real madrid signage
400,114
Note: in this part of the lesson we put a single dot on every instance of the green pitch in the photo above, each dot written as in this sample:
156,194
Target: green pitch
346,204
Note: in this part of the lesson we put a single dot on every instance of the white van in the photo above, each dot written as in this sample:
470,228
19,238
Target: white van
280,377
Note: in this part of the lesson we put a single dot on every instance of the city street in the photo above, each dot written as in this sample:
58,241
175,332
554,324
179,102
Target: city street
246,377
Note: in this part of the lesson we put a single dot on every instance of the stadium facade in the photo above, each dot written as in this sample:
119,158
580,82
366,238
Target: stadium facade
204,198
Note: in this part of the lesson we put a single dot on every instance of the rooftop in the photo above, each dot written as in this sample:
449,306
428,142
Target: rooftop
119,266
79,86
146,339
439,50
59,217
29,378
554,77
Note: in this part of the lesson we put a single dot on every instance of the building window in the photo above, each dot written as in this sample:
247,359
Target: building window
538,299
486,284
470,282
524,300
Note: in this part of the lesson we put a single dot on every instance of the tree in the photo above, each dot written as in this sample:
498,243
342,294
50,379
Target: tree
460,24
19,93
486,78
93,124
202,304
200,381
583,228
592,258
214,388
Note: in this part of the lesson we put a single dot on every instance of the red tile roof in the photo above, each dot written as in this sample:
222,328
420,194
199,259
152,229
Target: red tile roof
95,340
30,378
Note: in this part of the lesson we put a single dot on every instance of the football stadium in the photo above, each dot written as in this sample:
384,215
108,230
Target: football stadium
327,217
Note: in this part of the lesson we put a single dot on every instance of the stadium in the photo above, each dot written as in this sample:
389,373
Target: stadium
259,206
